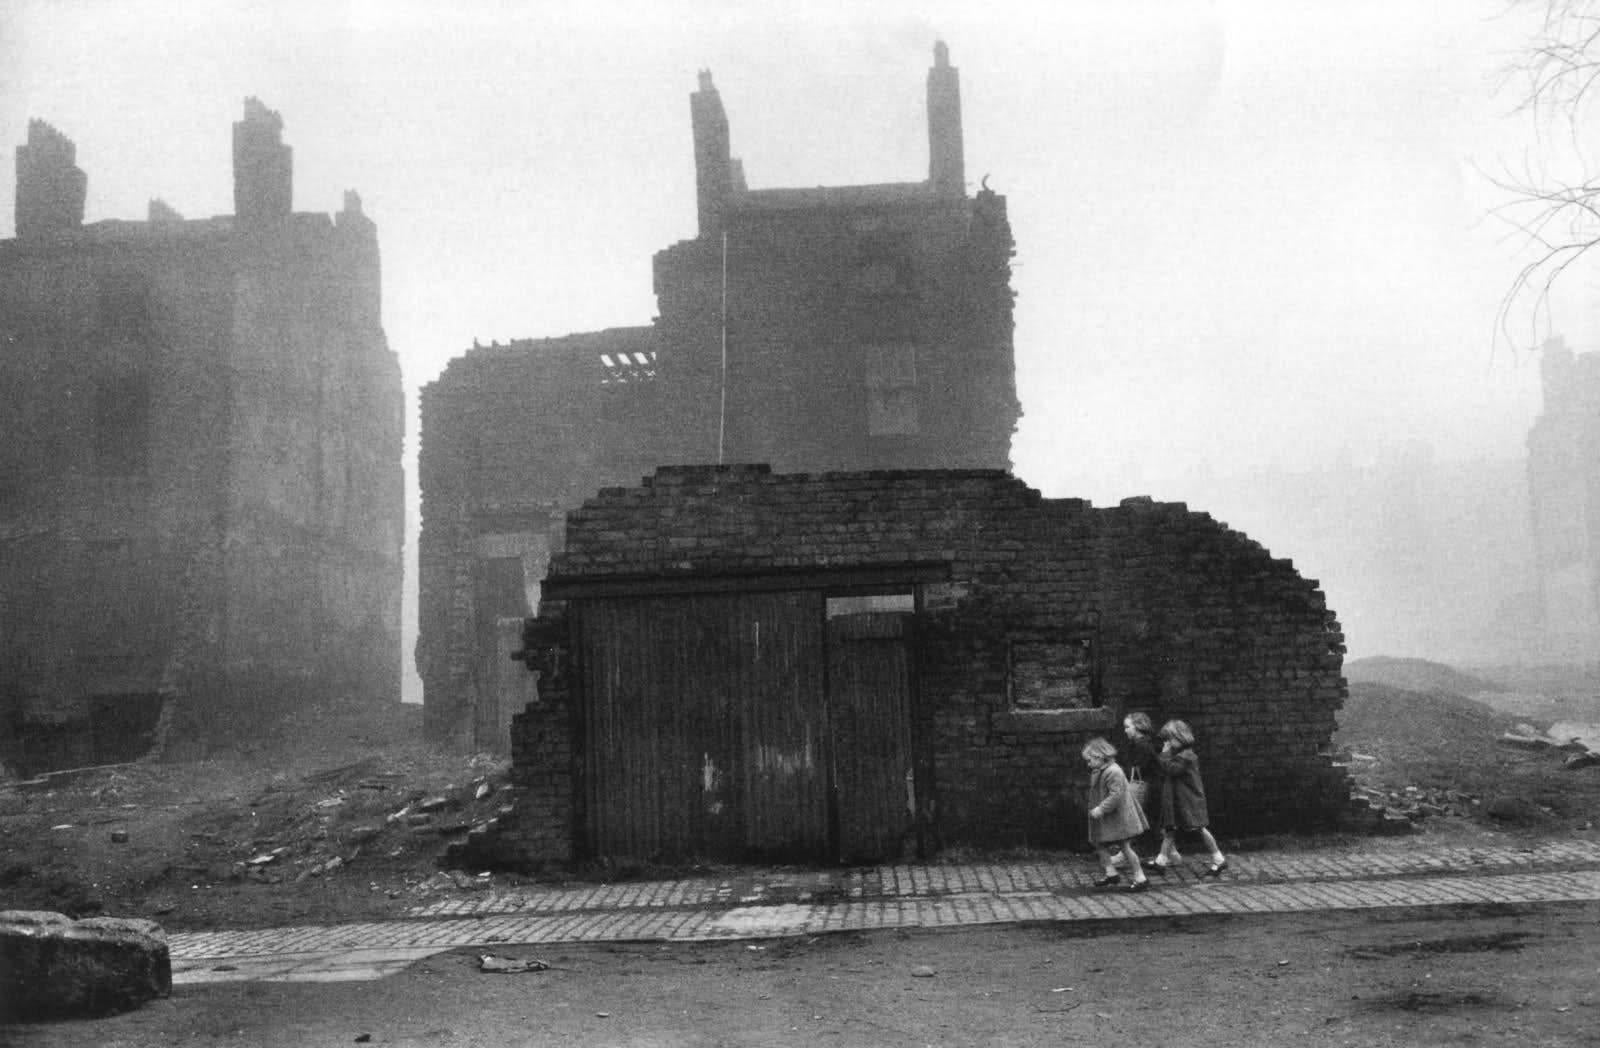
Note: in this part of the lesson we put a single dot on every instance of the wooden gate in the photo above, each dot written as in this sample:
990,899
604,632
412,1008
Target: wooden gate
738,726
703,727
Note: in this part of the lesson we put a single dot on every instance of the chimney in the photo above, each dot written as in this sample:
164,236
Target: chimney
713,162
263,167
50,187
946,163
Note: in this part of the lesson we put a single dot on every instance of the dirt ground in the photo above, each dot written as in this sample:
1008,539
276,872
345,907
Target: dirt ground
1528,976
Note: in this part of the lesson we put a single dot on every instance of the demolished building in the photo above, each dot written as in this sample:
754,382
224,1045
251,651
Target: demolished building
1564,495
834,328
201,492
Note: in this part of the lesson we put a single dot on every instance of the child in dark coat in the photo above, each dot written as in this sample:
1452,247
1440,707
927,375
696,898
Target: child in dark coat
1114,819
1183,796
1143,766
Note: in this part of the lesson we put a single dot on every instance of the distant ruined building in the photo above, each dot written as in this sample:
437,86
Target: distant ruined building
201,507
1564,493
838,328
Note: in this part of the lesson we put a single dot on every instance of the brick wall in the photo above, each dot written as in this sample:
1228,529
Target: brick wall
1181,617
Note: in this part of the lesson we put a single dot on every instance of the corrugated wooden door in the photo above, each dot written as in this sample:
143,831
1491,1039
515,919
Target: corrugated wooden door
703,726
869,696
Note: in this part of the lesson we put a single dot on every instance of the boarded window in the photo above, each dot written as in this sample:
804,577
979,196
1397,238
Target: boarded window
1052,676
892,391
122,426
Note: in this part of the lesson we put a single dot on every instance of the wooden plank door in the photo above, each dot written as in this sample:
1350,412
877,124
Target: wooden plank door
869,700
702,727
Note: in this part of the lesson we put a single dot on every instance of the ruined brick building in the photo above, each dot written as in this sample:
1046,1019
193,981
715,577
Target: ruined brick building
828,625
1564,494
200,460
835,328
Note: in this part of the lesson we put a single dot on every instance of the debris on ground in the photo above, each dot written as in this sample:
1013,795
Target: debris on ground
510,965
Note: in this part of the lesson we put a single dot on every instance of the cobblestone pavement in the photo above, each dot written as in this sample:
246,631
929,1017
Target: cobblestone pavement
763,903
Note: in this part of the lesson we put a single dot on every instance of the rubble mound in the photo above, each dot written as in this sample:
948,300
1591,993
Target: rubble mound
1408,723
1420,754
1417,675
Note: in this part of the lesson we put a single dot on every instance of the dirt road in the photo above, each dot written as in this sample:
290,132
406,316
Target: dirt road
1528,976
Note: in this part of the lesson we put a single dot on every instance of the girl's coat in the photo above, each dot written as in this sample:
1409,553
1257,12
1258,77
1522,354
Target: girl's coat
1123,819
1183,796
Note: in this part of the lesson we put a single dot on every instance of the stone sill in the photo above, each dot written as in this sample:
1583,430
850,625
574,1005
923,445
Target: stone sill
1099,719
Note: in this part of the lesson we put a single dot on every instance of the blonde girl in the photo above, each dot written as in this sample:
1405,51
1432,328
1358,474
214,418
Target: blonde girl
1114,819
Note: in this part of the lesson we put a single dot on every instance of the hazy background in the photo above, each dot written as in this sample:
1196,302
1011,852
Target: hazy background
1254,268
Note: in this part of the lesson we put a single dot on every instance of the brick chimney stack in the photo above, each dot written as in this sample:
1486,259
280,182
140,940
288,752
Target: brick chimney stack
263,167
946,160
50,187
713,160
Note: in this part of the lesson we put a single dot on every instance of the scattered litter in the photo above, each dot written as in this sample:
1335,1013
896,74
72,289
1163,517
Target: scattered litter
488,962
922,971
603,1015
62,826
1062,989
119,836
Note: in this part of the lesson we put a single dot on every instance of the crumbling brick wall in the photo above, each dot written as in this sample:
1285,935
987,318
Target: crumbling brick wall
1142,606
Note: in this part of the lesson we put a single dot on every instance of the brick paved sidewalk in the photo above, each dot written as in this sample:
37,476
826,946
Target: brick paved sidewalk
768,903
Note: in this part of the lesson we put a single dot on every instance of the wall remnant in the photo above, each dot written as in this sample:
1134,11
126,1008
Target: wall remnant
987,632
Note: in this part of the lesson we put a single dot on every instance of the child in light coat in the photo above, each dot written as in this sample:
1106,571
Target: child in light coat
1114,818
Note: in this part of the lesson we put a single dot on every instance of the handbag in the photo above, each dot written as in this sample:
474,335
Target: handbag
1137,787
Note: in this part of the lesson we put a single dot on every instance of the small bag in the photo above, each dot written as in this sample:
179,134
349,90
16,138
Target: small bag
1137,789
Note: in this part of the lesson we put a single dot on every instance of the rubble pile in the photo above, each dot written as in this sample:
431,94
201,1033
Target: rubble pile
360,812
1576,754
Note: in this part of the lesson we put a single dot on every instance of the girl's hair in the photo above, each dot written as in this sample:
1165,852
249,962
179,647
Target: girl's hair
1098,748
1140,722
1178,732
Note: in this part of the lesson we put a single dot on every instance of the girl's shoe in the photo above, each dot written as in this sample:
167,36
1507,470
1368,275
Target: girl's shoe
1154,866
1107,881
1216,868
1138,886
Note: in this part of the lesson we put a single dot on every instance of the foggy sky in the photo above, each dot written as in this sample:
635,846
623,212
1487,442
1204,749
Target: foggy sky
1249,235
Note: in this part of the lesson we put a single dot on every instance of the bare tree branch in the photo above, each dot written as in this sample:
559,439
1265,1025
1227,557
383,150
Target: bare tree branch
1557,220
